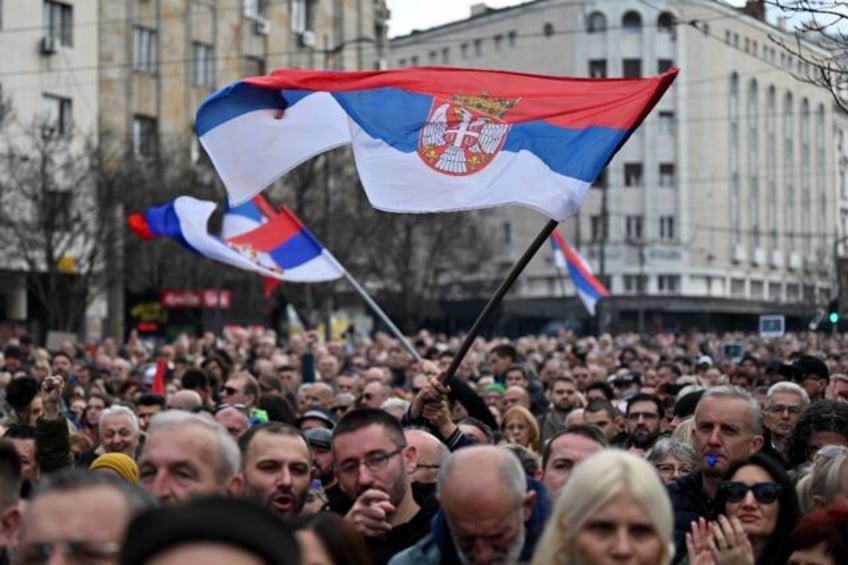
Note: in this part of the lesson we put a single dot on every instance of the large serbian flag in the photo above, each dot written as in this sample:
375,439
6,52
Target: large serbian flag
429,139
566,257
279,247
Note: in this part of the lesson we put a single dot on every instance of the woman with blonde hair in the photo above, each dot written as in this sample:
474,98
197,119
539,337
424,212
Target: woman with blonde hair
520,427
826,481
613,504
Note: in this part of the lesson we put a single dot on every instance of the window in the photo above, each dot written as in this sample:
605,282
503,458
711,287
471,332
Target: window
596,22
202,64
601,180
144,49
793,292
664,64
498,42
598,68
433,56
666,123
548,29
511,37
255,8
478,47
445,55
631,22
597,228
633,174
463,50
144,136
633,228
59,22
414,60
737,287
301,15
758,290
774,293
667,227
632,68
667,175
401,62
57,208
635,283
667,284
665,23
56,116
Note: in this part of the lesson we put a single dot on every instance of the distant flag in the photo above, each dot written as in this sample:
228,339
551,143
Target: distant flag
566,257
279,247
158,385
429,139
245,218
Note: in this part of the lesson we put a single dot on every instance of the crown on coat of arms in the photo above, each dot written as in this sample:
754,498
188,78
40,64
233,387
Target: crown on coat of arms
496,107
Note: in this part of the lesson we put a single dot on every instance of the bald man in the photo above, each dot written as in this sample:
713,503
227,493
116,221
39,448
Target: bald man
188,400
491,512
431,452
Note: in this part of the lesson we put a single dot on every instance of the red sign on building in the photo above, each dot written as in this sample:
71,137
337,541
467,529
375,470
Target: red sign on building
208,299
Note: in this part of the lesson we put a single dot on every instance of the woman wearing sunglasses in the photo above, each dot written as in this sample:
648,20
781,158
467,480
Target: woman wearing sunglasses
760,509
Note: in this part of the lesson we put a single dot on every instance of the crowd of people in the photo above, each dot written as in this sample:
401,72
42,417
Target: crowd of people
251,447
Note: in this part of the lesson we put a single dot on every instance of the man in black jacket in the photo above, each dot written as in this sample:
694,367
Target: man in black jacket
728,428
10,487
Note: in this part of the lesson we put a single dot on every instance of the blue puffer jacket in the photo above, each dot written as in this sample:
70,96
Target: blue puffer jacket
437,547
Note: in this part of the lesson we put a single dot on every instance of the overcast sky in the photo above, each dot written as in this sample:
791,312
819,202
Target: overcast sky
422,14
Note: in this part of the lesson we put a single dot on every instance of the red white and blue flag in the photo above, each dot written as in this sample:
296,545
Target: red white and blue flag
277,246
566,257
429,139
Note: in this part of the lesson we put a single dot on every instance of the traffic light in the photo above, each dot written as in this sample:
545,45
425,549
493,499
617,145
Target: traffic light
833,311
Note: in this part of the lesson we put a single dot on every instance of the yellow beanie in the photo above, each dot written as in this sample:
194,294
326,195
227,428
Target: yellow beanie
121,464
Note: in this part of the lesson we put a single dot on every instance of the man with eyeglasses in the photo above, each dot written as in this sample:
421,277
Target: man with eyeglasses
242,388
79,514
642,422
784,403
374,467
432,454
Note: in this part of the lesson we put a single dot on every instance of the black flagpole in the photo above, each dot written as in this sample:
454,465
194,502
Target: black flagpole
497,297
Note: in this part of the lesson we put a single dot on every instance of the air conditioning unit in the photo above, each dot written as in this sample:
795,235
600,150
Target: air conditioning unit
307,38
794,261
49,45
759,256
776,258
739,253
262,26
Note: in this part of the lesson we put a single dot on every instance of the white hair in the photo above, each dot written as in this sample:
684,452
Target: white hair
395,403
228,451
118,410
787,387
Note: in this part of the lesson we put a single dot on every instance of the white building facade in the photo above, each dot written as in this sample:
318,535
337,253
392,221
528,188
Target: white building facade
727,201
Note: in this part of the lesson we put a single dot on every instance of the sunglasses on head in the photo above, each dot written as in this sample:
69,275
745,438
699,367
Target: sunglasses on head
764,493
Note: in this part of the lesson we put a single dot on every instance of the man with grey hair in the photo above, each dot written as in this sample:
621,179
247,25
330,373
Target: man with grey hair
119,431
784,403
491,512
728,428
186,455
80,515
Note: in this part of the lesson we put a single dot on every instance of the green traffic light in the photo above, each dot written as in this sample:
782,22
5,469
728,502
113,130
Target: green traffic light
834,317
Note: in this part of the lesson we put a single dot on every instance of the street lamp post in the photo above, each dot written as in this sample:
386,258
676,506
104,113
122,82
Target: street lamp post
328,53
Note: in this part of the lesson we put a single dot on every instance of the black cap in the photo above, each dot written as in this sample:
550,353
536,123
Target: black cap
232,522
685,406
13,351
806,365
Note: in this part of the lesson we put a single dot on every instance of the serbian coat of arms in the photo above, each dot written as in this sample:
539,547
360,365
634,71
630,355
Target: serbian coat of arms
463,135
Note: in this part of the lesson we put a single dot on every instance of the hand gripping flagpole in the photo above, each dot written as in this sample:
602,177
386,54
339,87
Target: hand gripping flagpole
497,297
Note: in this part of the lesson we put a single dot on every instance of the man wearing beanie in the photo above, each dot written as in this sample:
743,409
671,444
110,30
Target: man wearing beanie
118,463
212,531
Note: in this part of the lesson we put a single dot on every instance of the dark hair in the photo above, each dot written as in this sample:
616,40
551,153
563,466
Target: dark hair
61,353
21,391
278,409
647,397
605,389
600,405
360,418
195,379
589,431
789,510
276,428
829,526
488,433
529,460
505,350
20,431
518,368
150,399
820,416
342,542
10,475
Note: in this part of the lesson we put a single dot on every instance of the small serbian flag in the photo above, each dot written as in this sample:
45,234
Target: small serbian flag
429,139
566,257
280,247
